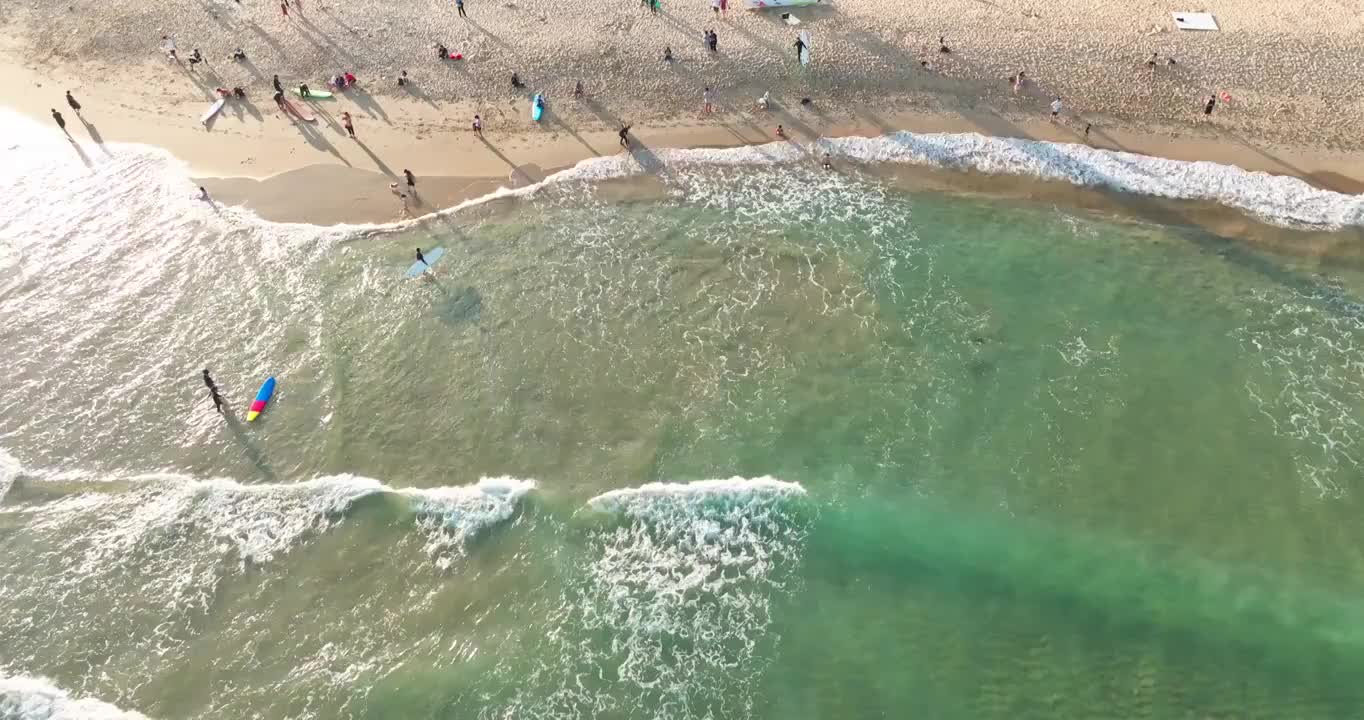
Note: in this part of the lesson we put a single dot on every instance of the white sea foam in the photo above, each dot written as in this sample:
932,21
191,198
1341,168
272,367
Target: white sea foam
1275,198
654,499
255,522
452,516
30,698
671,607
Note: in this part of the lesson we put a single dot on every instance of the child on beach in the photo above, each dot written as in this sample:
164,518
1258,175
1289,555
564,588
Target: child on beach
781,132
1209,106
706,101
667,53
72,102
348,125
478,126
1056,108
168,45
1018,81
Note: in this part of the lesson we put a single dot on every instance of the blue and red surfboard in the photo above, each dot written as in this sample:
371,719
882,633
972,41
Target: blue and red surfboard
263,396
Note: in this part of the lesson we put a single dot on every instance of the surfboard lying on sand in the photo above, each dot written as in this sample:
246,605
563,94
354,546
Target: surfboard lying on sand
419,267
263,396
314,94
303,115
805,47
213,110
537,107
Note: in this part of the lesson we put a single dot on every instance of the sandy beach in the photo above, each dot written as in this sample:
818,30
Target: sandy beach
1292,75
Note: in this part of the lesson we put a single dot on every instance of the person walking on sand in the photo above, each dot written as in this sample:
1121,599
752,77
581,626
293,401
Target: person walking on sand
1056,108
279,88
624,134
284,9
1209,106
800,46
459,7
72,102
706,101
411,181
478,126
61,122
218,401
348,125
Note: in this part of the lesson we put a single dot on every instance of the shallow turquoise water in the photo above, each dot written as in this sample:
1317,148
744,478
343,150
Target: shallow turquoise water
1021,462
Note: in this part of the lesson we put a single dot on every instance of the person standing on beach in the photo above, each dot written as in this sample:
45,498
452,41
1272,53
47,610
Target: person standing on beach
218,401
800,46
1019,79
284,8
279,88
61,122
72,102
1056,108
1209,106
478,126
624,135
411,181
706,101
348,125
715,7
168,45
459,7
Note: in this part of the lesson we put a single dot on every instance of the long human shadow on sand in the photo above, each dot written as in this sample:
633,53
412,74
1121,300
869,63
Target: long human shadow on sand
558,121
517,174
383,168
368,104
490,35
93,132
314,137
81,152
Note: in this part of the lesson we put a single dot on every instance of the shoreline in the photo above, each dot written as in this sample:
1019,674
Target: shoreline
291,171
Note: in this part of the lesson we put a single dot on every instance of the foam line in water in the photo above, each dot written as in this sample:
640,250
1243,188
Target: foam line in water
639,499
258,520
30,698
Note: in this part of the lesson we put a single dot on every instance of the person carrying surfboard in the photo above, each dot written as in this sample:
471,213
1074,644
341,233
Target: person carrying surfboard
800,47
